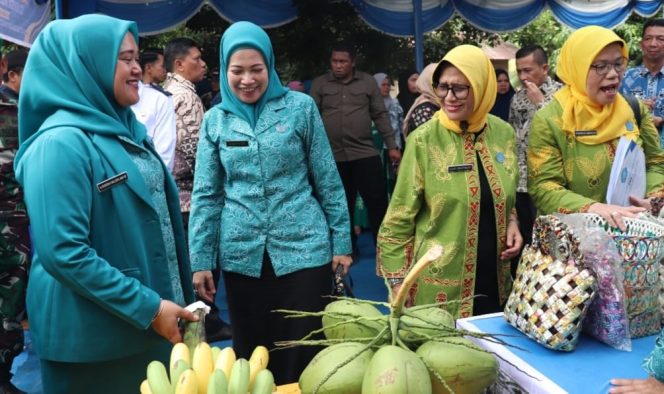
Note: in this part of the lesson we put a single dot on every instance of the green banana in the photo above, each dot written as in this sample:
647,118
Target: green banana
264,382
179,367
217,384
158,378
239,381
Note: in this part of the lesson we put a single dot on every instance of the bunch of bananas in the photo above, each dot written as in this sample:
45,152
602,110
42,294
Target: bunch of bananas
210,370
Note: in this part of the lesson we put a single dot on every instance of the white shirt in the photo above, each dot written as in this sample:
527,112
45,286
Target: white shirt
155,110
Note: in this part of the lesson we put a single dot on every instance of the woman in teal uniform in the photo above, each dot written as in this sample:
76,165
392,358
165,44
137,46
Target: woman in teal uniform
110,272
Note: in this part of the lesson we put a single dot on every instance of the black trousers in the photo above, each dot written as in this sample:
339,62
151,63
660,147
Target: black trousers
251,302
367,177
527,213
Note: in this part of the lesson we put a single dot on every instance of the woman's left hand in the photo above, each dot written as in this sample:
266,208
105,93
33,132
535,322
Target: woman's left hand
514,241
344,260
637,386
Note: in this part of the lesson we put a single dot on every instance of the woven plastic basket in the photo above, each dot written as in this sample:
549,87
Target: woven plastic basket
552,290
642,249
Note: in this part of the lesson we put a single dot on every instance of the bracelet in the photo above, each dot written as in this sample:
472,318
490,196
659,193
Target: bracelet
394,281
513,219
161,308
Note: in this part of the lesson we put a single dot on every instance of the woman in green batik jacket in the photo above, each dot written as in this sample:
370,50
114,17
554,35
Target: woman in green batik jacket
573,140
456,188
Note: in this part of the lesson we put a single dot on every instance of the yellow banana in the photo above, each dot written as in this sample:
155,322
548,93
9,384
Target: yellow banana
145,387
239,381
264,383
201,363
180,351
225,361
187,383
260,356
158,378
215,353
257,362
217,383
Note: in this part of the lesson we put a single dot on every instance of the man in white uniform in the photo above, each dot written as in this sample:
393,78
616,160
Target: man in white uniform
155,107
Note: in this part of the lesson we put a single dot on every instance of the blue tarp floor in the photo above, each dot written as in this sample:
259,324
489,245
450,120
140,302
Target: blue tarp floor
366,285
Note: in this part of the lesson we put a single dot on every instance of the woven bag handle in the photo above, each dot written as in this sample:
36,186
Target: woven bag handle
554,238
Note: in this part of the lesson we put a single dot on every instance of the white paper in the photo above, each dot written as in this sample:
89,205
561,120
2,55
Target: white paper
628,173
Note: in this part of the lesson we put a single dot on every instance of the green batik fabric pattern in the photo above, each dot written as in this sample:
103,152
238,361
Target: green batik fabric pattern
567,176
434,204
151,170
654,363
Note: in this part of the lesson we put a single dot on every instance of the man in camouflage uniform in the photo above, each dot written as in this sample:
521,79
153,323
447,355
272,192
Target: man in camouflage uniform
14,237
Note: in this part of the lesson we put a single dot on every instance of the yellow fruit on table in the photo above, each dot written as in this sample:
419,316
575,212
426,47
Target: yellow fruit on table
187,383
145,387
180,351
201,363
225,361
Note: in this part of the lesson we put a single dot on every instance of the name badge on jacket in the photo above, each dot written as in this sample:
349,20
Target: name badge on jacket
112,181
585,133
460,168
231,144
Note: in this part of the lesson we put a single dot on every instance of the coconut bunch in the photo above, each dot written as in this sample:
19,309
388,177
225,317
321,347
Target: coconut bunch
411,350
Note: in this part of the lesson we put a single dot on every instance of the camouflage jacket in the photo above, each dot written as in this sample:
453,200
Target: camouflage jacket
11,195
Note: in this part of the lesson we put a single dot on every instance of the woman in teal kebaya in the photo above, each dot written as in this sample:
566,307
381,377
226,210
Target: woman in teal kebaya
268,205
110,272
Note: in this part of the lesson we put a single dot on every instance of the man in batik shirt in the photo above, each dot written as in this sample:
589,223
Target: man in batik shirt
537,91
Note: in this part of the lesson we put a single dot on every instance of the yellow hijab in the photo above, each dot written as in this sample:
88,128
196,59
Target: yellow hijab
579,112
477,68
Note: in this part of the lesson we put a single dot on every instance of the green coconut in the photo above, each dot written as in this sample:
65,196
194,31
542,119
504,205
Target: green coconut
465,367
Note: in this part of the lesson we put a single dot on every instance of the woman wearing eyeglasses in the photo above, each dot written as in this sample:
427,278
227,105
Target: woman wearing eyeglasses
573,140
456,188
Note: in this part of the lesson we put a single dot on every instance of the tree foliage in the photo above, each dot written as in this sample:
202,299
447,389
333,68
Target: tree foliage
302,47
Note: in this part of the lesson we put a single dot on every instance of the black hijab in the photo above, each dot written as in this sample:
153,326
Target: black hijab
405,96
502,106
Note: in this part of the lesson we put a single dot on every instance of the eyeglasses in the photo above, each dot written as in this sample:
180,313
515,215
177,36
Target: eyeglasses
459,92
603,68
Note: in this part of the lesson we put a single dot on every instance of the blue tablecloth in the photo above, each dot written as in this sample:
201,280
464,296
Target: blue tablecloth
587,369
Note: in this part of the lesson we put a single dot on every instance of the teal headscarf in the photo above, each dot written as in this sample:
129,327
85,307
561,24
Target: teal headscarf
68,80
243,35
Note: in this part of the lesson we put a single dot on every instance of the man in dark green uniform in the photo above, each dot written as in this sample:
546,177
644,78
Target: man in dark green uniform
14,237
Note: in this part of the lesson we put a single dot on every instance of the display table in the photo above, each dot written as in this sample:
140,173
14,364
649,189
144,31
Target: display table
588,369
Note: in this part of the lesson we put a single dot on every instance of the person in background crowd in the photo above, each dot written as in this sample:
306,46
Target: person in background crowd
14,234
155,107
408,88
504,96
216,94
297,86
110,272
349,100
268,205
425,105
456,188
573,139
537,91
185,68
11,78
646,82
396,119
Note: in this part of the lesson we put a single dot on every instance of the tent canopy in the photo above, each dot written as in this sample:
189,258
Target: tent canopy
395,17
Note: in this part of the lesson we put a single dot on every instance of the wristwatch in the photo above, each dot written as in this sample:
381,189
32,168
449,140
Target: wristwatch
394,281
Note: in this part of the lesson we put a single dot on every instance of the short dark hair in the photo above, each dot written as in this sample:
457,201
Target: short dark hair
537,51
149,55
177,48
16,60
659,22
344,46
